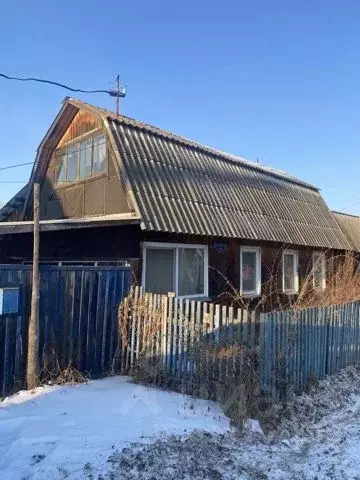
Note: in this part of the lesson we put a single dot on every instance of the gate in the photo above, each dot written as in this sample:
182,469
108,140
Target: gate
77,319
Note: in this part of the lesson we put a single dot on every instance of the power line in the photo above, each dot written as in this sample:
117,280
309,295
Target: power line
15,166
119,92
350,206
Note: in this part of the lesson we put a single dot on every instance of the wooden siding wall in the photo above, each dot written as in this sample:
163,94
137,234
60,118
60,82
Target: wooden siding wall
103,194
83,123
224,264
91,244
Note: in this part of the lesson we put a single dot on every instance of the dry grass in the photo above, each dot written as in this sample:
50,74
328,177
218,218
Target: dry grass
342,286
222,371
52,374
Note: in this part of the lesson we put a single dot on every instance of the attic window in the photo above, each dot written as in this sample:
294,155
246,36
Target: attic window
82,160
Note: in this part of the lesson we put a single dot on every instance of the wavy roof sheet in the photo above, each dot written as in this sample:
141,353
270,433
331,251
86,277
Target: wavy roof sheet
350,224
184,187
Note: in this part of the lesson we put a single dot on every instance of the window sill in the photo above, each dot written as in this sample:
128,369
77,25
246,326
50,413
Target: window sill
250,294
203,298
64,185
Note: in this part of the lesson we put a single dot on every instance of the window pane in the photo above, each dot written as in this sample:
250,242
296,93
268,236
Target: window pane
159,272
85,159
289,273
72,163
62,169
319,271
248,272
191,271
99,154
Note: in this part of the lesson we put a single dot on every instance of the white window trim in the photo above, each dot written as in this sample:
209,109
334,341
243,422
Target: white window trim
295,255
257,291
315,258
176,246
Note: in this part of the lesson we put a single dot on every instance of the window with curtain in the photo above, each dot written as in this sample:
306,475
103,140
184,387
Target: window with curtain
319,270
191,271
177,268
250,274
160,271
82,159
290,271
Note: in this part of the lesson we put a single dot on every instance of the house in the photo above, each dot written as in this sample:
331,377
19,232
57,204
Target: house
190,219
350,224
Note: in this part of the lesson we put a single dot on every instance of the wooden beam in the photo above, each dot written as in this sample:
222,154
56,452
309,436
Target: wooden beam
7,228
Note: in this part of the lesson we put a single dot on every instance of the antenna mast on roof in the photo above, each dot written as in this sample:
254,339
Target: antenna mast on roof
118,92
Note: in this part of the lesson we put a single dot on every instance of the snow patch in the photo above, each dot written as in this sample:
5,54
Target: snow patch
69,432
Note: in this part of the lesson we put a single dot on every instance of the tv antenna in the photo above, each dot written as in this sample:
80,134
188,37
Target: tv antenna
118,92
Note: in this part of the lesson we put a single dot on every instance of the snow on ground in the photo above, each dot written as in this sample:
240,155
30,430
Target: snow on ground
68,432
318,438
112,429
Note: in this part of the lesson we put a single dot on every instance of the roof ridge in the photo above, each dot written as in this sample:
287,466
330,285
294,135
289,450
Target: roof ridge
346,214
192,143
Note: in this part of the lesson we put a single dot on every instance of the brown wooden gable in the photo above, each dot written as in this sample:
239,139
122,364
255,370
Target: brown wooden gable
102,194
82,124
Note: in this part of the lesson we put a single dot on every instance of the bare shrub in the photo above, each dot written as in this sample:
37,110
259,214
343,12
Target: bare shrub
342,286
205,367
228,373
52,374
342,283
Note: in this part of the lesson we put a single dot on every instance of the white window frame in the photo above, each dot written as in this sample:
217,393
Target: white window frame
62,158
295,255
315,257
176,247
257,291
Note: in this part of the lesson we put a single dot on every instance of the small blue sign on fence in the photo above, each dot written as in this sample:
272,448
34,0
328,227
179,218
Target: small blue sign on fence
9,301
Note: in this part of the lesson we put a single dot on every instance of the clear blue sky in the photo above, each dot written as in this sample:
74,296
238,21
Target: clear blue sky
277,80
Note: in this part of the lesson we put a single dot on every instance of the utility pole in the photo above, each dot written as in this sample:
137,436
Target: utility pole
33,341
118,95
118,92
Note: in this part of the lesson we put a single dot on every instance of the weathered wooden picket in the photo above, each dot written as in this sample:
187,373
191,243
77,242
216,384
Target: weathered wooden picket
194,341
77,319
292,348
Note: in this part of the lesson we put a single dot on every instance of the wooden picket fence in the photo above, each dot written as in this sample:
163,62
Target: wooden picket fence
285,351
193,341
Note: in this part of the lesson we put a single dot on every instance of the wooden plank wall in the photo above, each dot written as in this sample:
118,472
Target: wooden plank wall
78,320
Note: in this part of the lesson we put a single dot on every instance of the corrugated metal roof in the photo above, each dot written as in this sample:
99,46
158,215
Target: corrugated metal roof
14,205
350,224
183,187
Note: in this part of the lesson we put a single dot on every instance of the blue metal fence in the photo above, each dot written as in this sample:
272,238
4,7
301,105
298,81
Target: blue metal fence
77,319
303,346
